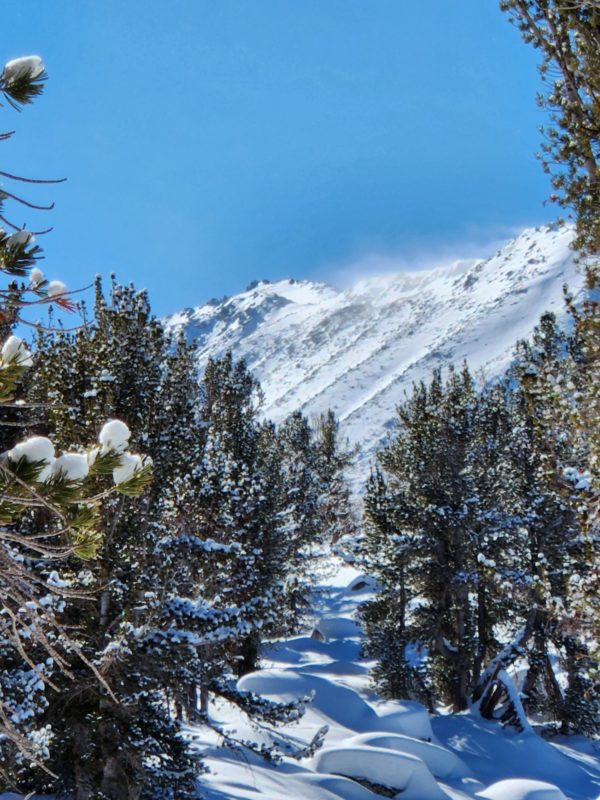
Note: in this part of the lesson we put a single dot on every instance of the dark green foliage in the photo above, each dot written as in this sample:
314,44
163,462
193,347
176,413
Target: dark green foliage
568,38
114,745
474,533
385,554
193,577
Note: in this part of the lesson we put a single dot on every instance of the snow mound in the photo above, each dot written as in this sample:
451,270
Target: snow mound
376,747
442,763
337,704
518,789
388,768
337,628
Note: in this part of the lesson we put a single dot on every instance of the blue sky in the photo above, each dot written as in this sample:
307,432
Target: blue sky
209,143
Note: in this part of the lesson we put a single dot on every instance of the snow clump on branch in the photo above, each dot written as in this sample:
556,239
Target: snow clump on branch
36,277
114,436
56,289
24,68
130,464
14,351
71,466
20,238
33,450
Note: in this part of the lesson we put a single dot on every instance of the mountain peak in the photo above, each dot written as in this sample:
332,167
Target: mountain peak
359,350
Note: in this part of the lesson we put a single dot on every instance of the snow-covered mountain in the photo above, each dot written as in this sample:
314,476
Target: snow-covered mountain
358,350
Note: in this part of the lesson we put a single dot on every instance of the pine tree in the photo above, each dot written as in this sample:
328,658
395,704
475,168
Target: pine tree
548,546
431,491
124,745
580,395
238,503
568,38
50,504
224,551
304,534
497,524
385,553
334,458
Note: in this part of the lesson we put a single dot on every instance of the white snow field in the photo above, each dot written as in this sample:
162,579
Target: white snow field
357,351
377,748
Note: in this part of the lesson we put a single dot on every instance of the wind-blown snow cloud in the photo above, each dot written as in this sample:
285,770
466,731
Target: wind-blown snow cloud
477,243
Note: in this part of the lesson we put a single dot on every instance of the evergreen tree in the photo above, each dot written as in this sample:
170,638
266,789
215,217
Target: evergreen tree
304,533
223,556
547,558
497,524
433,527
237,503
50,504
568,38
474,535
124,744
385,548
334,457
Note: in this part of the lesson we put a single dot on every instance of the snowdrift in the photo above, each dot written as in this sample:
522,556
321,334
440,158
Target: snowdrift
378,748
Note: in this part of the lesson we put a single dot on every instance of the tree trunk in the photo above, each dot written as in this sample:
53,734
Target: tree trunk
204,697
249,656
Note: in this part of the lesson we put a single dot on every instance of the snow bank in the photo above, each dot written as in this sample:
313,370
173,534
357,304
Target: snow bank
393,743
340,704
406,773
407,717
441,762
337,628
521,789
334,702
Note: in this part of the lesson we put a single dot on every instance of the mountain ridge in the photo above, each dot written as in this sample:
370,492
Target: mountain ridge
357,350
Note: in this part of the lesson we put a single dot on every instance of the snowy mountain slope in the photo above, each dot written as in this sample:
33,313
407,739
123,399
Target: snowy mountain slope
357,351
396,746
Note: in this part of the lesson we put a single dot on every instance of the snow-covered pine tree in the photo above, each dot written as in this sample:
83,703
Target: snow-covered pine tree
236,490
433,518
567,36
223,554
549,557
125,745
304,530
497,526
49,503
316,503
384,552
579,391
558,383
334,457
548,510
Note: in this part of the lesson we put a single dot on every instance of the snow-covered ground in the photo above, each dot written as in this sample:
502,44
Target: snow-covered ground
397,747
357,351
392,744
